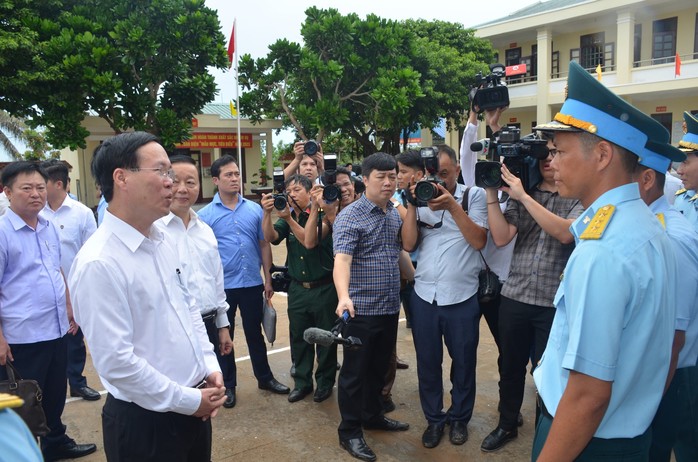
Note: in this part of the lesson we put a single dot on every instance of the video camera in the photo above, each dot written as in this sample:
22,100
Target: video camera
494,93
329,179
520,155
426,189
280,200
280,280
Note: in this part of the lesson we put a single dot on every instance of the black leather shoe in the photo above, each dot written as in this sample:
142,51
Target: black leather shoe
86,393
70,450
388,405
519,420
497,439
321,394
274,386
298,394
229,398
458,433
432,435
388,425
358,448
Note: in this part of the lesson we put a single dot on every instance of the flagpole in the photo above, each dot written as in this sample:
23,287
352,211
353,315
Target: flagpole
237,107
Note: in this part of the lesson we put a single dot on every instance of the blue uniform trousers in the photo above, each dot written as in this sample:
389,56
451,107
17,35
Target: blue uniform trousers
458,326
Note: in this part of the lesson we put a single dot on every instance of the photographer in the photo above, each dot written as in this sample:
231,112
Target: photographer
328,212
444,302
540,220
306,162
311,296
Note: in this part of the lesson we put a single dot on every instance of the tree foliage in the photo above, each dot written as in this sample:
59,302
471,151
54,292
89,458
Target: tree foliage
11,127
368,79
137,64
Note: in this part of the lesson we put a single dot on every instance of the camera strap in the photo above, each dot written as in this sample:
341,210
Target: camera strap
464,202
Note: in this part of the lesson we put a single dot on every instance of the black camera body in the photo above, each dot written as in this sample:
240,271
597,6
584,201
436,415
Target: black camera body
311,147
520,155
331,192
426,188
280,200
494,93
280,280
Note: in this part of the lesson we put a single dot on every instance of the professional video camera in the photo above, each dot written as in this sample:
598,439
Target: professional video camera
520,155
494,93
426,189
311,147
280,280
279,196
329,179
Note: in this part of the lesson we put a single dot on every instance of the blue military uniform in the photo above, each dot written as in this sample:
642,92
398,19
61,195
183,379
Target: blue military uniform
615,313
686,202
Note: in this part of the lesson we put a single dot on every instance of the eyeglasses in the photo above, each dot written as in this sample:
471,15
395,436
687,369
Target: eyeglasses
438,225
552,152
161,172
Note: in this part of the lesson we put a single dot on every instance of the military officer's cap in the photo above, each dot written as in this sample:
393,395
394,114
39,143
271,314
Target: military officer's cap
689,142
593,108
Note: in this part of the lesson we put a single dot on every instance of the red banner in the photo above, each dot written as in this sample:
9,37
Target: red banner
517,69
217,140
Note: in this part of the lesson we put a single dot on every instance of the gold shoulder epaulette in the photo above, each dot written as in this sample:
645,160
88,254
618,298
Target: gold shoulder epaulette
680,191
660,217
10,401
597,225
695,196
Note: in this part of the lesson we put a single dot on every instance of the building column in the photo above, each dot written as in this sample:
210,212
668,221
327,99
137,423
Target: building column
625,43
545,50
270,152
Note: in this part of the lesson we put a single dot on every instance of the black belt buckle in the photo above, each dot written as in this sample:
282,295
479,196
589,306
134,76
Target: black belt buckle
209,316
201,385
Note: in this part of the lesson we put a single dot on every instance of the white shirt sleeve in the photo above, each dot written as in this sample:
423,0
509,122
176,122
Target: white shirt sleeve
468,158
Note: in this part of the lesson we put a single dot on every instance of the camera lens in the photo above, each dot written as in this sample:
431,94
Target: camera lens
331,193
426,191
311,147
280,202
492,176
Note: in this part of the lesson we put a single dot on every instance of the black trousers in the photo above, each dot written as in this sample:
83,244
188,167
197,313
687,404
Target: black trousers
45,362
362,376
524,331
134,434
250,300
77,355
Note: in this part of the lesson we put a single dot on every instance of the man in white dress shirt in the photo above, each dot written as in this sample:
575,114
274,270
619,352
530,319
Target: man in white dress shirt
198,252
148,342
75,223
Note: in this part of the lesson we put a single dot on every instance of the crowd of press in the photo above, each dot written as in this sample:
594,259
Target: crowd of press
578,244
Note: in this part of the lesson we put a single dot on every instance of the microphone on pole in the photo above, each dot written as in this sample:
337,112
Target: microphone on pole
314,335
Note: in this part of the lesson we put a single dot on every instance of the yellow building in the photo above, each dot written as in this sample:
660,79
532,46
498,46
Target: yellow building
214,134
633,42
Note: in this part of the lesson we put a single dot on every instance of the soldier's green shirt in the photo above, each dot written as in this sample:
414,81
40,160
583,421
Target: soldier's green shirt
305,265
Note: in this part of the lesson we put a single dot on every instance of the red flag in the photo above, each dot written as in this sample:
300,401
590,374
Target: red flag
677,69
231,47
517,69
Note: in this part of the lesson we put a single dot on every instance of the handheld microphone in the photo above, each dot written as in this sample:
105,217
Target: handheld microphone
313,335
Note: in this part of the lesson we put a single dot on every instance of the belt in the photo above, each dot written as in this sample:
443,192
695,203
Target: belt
200,385
211,315
313,284
541,406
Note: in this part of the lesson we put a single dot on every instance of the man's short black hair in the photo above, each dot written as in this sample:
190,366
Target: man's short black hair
300,179
411,159
57,170
378,161
182,159
345,171
221,162
448,150
119,151
10,173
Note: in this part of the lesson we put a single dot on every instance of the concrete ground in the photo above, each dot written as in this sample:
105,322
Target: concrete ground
266,427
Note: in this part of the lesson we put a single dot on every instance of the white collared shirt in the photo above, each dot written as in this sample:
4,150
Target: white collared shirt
4,203
202,270
75,223
146,336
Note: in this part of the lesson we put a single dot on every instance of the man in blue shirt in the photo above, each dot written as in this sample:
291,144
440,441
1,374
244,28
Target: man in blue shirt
687,198
35,311
237,225
605,366
367,278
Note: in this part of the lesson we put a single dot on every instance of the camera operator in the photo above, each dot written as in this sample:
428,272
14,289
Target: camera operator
328,212
444,302
306,162
312,298
540,220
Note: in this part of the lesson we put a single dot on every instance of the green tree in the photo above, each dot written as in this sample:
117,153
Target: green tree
11,127
137,64
38,147
368,79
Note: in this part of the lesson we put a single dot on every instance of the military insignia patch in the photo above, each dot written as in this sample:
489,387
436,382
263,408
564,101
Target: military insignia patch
660,217
598,224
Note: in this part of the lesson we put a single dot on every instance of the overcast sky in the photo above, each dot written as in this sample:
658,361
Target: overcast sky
262,22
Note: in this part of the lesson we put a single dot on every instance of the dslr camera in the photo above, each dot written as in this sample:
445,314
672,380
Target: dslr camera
280,200
489,92
280,280
311,147
329,179
426,189
520,155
